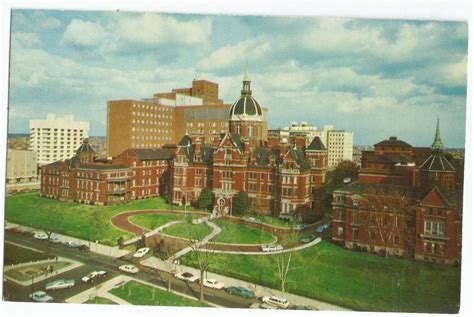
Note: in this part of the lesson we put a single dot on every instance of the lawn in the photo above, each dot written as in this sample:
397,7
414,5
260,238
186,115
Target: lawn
274,221
241,234
100,300
187,230
139,294
24,273
153,221
14,254
355,280
73,219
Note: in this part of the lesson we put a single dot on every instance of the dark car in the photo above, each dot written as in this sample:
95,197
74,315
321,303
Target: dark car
83,248
322,228
241,291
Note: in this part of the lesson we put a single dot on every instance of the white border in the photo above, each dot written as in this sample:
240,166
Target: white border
422,10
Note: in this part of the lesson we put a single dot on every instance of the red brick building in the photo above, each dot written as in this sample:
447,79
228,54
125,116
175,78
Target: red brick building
399,207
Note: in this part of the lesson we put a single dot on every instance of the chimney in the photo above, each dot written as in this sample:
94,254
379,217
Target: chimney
197,145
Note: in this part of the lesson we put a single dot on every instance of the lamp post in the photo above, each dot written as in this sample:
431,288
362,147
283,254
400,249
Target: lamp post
399,295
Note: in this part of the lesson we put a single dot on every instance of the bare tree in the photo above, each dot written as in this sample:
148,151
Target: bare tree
284,264
53,222
383,213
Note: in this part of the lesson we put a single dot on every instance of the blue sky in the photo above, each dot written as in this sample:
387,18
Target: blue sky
376,78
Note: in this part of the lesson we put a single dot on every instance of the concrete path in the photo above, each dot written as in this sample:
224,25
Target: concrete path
259,290
215,231
94,247
152,233
73,265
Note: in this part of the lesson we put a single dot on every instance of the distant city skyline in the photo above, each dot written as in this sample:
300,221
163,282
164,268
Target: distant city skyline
376,78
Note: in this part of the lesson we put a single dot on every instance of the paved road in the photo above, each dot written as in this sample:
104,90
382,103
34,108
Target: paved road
93,261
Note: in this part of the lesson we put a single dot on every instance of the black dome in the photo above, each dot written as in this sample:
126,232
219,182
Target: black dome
246,105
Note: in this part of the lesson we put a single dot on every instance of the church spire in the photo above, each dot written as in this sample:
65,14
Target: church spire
437,143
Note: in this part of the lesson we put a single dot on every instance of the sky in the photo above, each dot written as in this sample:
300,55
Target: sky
376,78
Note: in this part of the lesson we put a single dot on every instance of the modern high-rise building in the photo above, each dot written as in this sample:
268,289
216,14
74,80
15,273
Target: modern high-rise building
56,138
167,117
21,166
339,143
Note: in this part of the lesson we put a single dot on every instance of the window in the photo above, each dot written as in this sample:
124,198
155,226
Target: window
340,232
355,234
252,187
425,246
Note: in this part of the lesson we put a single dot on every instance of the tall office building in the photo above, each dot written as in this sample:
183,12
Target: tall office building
56,138
167,117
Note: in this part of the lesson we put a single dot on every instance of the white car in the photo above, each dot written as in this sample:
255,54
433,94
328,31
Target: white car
41,297
280,302
60,284
55,240
272,248
212,283
141,252
93,276
40,236
186,276
127,268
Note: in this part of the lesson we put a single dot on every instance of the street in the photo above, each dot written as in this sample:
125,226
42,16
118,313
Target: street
93,261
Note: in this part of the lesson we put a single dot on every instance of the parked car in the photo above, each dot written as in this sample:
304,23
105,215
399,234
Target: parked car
141,252
41,297
92,276
40,236
241,291
54,240
83,248
322,228
280,302
60,284
212,283
187,276
271,248
307,239
72,244
128,268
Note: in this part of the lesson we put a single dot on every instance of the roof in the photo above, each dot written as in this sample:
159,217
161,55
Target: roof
185,141
154,154
237,141
363,188
263,155
247,105
393,142
390,158
447,196
437,162
316,145
102,167
299,158
85,147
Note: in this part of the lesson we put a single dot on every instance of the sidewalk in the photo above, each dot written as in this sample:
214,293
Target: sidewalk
259,290
94,247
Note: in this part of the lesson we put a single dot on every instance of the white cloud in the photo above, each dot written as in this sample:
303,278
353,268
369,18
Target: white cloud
230,56
83,33
50,23
154,29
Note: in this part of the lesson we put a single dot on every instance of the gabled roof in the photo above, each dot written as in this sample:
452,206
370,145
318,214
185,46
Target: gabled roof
206,154
299,158
185,141
390,158
237,141
316,145
102,167
154,154
447,197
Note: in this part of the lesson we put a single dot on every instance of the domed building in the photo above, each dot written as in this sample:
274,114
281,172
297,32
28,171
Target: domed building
246,117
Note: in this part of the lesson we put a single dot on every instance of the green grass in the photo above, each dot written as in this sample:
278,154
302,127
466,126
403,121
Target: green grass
140,294
355,280
187,230
241,234
73,219
274,221
14,254
153,221
100,300
24,273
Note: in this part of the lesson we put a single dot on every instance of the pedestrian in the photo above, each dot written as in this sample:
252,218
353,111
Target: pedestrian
56,258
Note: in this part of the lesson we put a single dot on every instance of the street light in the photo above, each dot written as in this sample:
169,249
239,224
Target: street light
399,295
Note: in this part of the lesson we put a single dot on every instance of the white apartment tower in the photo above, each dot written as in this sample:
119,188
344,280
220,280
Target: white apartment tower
56,138
339,143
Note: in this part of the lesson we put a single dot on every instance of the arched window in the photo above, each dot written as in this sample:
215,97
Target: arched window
250,131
